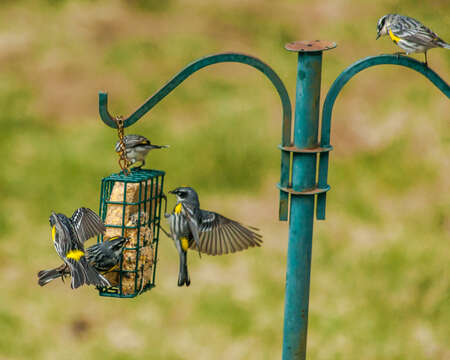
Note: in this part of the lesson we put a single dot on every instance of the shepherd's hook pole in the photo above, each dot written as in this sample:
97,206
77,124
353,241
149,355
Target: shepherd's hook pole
302,190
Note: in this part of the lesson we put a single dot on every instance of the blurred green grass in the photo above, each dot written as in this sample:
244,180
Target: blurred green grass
380,281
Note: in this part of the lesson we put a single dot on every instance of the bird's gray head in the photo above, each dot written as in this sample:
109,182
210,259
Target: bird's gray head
382,25
53,220
187,194
117,244
55,224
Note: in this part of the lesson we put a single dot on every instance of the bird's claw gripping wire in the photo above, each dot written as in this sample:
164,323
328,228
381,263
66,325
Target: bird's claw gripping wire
164,197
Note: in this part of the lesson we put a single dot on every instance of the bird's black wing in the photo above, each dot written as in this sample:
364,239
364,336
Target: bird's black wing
414,31
135,140
99,256
87,224
105,256
220,235
64,241
131,141
422,36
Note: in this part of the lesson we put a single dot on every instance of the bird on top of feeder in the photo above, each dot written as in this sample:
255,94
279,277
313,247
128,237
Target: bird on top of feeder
205,231
69,235
103,257
137,148
409,34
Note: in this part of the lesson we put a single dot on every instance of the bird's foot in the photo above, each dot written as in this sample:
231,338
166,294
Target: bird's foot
64,274
426,60
398,53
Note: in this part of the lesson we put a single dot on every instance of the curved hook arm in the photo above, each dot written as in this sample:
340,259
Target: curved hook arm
365,63
334,91
200,64
192,68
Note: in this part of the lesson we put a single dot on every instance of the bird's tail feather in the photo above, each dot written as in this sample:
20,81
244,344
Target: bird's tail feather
94,278
444,44
83,273
183,275
45,276
78,274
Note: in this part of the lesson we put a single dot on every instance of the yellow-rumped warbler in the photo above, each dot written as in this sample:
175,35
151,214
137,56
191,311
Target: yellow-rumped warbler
103,257
69,235
409,34
137,148
205,231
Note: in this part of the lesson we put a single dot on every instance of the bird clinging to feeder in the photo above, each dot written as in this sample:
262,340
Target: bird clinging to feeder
69,236
103,257
136,148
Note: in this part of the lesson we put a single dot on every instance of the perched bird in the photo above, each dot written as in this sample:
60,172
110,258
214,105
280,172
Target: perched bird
69,235
205,231
409,34
137,148
103,257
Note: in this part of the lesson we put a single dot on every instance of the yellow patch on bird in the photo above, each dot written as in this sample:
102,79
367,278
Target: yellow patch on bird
53,233
113,268
75,254
184,243
178,208
394,38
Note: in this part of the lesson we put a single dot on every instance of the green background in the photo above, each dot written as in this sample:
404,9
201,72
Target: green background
380,278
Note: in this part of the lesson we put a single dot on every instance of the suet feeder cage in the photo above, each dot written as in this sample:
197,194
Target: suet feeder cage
130,206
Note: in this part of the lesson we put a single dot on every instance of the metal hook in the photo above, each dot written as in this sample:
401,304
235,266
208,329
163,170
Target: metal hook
200,64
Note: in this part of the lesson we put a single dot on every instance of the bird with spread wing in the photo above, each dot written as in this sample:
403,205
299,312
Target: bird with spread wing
205,231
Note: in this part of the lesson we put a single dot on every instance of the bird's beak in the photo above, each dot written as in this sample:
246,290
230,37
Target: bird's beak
172,192
378,35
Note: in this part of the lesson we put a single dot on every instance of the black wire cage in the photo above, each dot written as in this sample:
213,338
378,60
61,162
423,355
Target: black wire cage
130,206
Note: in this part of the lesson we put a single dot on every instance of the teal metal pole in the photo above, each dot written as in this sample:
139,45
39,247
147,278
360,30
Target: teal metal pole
304,187
307,106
